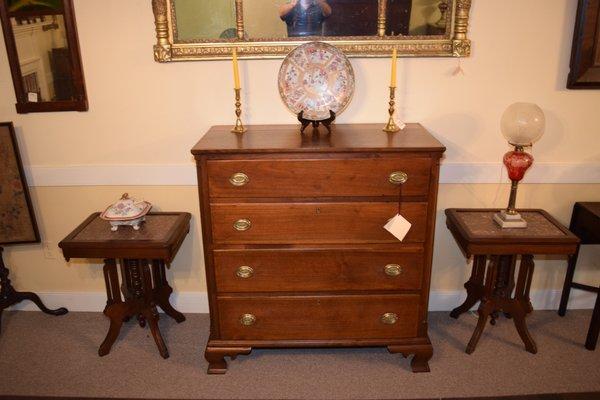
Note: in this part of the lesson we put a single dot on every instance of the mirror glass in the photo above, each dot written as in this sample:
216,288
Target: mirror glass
42,49
280,19
205,19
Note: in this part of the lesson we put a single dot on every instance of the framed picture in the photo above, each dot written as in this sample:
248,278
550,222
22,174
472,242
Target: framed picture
585,56
17,219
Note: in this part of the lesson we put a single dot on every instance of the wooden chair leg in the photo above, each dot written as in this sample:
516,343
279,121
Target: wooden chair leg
594,331
564,298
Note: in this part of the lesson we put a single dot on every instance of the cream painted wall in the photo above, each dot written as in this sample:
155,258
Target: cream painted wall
142,112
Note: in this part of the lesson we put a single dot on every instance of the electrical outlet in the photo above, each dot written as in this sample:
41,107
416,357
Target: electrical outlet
49,251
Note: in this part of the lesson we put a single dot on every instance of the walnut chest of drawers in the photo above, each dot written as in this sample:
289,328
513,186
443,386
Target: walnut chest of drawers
295,250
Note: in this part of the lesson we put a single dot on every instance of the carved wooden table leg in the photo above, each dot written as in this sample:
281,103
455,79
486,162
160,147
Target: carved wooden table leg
487,305
9,296
162,291
520,306
504,284
149,309
474,286
497,297
115,309
136,288
216,357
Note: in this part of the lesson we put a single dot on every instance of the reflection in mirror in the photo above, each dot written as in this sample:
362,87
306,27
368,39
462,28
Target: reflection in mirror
205,19
299,18
44,58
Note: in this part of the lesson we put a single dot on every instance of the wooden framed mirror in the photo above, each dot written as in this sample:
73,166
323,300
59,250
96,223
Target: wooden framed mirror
585,56
208,29
43,53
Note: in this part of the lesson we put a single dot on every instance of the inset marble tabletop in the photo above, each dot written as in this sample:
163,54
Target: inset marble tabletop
159,237
477,233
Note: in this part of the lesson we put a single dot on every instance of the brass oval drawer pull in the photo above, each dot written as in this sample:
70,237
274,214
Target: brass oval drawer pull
245,272
242,225
393,269
239,179
398,178
248,319
389,318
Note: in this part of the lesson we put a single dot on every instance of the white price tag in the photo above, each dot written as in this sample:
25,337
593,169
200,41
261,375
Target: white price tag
398,226
32,97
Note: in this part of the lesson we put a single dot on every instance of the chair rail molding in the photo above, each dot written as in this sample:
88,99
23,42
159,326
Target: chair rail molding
185,174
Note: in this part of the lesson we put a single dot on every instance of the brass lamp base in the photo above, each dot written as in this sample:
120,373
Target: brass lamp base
507,221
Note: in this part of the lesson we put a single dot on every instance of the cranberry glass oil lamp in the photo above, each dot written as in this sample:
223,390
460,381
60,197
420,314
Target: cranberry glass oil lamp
522,124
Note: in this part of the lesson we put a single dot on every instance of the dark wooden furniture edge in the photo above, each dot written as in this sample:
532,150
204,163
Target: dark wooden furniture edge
292,131
547,396
541,245
118,250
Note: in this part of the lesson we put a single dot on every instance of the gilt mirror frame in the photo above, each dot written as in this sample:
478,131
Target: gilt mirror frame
454,43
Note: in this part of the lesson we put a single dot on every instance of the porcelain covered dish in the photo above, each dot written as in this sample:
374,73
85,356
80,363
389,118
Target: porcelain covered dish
126,211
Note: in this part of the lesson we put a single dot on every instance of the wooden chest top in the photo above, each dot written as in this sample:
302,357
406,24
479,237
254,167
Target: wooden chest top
344,138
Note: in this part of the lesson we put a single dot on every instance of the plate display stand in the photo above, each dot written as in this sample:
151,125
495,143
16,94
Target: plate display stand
306,122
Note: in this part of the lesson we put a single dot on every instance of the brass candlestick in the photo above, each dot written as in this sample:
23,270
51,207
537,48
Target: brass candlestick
239,126
391,125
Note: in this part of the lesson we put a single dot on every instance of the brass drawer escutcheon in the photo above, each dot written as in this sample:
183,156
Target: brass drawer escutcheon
247,319
398,178
245,272
242,225
393,269
239,179
389,318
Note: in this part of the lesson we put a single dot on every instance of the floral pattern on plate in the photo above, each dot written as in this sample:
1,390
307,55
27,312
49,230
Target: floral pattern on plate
315,78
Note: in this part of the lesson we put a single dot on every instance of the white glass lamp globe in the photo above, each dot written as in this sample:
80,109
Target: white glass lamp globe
523,123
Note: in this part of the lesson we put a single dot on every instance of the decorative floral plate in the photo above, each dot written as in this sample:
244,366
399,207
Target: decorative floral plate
316,77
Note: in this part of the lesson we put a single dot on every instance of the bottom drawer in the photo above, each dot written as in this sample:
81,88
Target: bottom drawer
318,317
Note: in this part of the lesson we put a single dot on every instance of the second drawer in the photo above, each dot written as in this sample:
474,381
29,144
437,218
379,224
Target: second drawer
316,270
303,223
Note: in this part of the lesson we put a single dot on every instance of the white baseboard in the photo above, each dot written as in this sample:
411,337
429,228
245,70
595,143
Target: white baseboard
185,174
197,302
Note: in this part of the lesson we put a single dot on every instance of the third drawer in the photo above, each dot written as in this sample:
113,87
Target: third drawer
279,270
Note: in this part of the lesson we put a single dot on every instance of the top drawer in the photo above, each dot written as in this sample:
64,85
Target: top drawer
319,177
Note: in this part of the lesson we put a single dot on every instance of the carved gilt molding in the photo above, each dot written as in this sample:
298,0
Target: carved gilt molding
168,47
162,48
